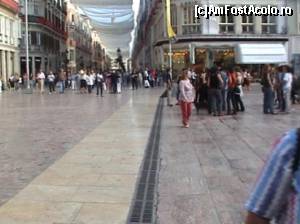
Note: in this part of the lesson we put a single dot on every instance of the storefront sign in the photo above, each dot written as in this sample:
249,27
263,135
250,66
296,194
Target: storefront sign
296,64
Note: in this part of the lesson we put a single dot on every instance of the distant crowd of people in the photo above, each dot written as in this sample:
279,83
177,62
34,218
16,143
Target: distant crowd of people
83,81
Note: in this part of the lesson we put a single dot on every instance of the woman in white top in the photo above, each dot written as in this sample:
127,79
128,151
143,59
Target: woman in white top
186,98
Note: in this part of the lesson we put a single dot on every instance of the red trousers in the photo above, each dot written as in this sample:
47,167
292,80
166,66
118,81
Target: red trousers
186,110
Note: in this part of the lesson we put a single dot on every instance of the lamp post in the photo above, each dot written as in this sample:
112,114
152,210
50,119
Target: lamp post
27,44
170,58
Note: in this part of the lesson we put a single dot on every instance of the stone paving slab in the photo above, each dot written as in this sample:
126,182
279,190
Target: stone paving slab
36,130
207,171
94,182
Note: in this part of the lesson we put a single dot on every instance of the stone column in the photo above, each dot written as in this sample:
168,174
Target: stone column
179,18
257,24
33,65
238,24
17,65
281,21
4,67
161,53
213,25
9,64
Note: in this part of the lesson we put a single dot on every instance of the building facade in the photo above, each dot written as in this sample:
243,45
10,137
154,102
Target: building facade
9,39
47,36
97,52
80,40
204,41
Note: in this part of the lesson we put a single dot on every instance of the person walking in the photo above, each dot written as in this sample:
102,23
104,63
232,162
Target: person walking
51,81
224,89
278,87
215,84
275,197
287,81
186,98
268,90
73,81
62,81
238,91
90,82
247,78
41,79
231,99
83,83
169,85
99,84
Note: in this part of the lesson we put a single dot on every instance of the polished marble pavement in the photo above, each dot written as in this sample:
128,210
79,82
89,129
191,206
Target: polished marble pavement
207,171
72,158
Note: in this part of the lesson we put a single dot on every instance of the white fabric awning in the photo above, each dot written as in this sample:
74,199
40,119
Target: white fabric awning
114,20
261,54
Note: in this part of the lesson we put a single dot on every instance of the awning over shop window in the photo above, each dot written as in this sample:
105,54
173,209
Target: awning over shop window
261,54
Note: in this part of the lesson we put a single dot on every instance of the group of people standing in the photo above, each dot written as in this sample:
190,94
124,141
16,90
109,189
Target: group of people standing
216,89
221,91
277,88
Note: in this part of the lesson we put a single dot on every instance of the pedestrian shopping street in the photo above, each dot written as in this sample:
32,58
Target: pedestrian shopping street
77,158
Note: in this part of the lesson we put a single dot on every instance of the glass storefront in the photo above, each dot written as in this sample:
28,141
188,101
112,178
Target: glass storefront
180,58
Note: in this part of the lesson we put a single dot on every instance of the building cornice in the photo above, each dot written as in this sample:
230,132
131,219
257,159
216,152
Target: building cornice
223,38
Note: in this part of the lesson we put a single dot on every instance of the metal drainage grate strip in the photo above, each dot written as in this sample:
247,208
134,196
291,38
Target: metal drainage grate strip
143,205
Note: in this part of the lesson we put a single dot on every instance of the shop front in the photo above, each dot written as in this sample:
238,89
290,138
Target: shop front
246,54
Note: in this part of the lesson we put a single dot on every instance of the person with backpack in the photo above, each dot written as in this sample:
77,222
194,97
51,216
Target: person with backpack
215,85
276,195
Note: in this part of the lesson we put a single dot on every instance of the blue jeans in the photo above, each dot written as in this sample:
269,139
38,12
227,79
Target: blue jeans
62,86
215,101
224,99
268,100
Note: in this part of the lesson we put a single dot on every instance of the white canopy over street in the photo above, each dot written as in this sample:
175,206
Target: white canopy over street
114,19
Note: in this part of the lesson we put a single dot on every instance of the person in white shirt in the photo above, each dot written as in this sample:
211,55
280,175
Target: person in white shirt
99,83
90,82
287,81
51,81
83,81
41,79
